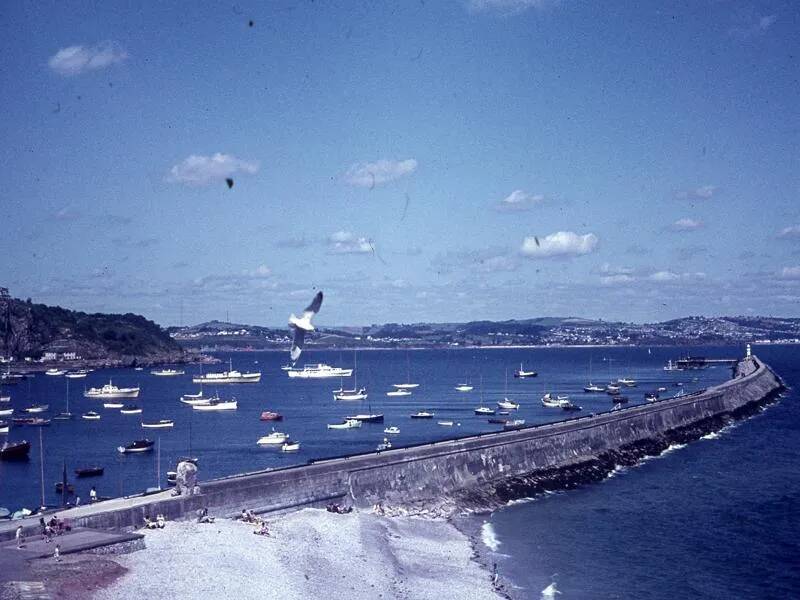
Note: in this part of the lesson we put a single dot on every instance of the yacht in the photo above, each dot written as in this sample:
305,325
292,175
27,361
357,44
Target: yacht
347,424
81,374
229,376
276,438
55,372
356,393
216,404
318,371
167,372
109,390
507,404
401,392
551,401
463,387
522,373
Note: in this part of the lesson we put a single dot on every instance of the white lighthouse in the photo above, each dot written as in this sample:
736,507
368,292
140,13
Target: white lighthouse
749,353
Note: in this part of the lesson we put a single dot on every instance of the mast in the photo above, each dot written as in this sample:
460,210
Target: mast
67,378
41,463
158,463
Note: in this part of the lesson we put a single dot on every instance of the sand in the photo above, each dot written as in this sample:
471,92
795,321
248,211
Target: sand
309,554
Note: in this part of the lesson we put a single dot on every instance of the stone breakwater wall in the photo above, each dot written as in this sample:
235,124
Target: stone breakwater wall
473,472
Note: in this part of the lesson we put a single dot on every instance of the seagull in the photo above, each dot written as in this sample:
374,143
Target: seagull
301,325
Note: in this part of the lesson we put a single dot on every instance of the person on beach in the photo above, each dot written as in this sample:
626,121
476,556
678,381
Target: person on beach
57,553
262,530
20,538
160,521
202,516
93,494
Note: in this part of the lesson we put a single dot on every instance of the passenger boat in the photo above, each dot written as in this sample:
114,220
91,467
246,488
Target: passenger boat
463,387
137,446
268,415
216,405
346,424
90,416
522,373
15,450
391,430
229,376
37,408
109,390
130,409
484,410
395,393
367,418
290,447
423,414
167,372
89,472
55,372
161,424
318,371
515,424
445,423
275,438
113,405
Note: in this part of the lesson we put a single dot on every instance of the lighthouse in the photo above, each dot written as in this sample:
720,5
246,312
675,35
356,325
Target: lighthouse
749,353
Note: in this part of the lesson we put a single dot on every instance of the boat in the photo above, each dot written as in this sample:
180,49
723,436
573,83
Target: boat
392,430
407,385
627,381
551,401
138,368
272,439
423,414
55,372
65,416
109,390
507,404
6,412
594,389
89,472
90,416
515,424
197,399
37,408
4,426
484,410
15,450
612,388
136,446
619,399
286,367
268,415
463,387
318,371
569,406
394,393
113,405
356,393
290,447
59,485
33,421
346,424
367,418
76,374
161,424
216,405
5,398
167,372
497,421
130,409
651,397
445,423
661,389
229,376
671,366
384,445
522,373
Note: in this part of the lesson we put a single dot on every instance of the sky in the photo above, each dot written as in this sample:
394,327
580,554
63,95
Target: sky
446,160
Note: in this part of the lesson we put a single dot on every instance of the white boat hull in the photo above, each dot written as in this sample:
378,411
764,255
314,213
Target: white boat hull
217,378
129,393
164,425
216,407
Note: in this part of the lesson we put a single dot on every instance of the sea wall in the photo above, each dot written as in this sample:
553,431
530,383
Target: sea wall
476,471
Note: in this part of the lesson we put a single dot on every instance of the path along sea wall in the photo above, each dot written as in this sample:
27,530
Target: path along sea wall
471,472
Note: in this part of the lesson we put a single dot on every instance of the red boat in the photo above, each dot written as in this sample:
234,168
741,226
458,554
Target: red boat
268,415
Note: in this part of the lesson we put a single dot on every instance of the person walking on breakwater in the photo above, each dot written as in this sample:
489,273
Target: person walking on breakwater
93,494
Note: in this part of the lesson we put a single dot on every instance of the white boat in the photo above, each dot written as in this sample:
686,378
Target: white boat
109,390
507,404
136,446
661,389
612,388
395,393
5,398
286,367
367,417
551,401
229,376
423,414
445,423
76,374
384,445
3,427
671,366
318,371
290,447
6,412
113,405
197,398
161,424
276,438
356,393
522,373
405,386
131,410
347,424
167,372
216,405
594,389
484,410
55,372
90,416
391,430
37,408
515,424
627,381
463,387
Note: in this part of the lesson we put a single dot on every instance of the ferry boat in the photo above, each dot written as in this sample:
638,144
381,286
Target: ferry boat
166,372
229,376
109,390
318,371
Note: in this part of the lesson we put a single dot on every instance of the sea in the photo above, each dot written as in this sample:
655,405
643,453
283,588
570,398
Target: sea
715,519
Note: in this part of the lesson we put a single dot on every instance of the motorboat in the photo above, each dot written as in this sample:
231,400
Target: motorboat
113,405
32,421
367,418
423,414
76,374
318,371
405,386
551,401
136,446
167,372
497,421
130,409
5,398
384,445
55,372
90,416
445,423
89,472
4,426
160,424
484,410
347,395
515,424
627,382
522,373
672,366
392,430
110,390
37,408
217,405
612,388
346,424
290,447
569,406
463,387
229,376
197,399
15,450
395,393
594,389
507,404
6,412
268,415
276,438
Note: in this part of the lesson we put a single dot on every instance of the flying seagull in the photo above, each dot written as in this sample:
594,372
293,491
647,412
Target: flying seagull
301,325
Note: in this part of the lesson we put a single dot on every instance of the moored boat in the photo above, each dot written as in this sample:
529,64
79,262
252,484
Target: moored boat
484,410
160,424
396,393
113,405
275,438
137,446
4,426
507,404
269,415
76,374
367,417
594,389
515,424
346,424
569,406
351,395
290,447
130,409
217,405
167,372
463,387
110,390
627,381
384,445
522,373
6,412
229,376
445,423
393,430
318,371
90,416
37,408
55,372
89,472
551,401
15,450
423,414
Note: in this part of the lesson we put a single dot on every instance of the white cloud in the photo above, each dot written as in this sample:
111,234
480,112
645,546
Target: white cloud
519,200
792,231
74,60
608,269
344,242
663,276
616,279
561,243
790,273
686,224
704,192
381,171
203,170
261,271
507,6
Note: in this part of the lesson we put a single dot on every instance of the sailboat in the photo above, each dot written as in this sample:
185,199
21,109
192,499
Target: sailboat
407,385
522,373
356,393
483,410
505,403
593,388
65,416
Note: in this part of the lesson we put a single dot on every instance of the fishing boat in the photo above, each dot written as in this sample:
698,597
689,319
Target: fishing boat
161,424
484,410
37,408
275,438
6,412
15,450
55,372
346,424
167,372
463,387
445,423
396,393
392,430
217,405
367,418
90,416
384,445
137,446
131,409
522,373
423,414
89,472
268,415
76,374
229,376
515,424
672,366
318,371
113,405
110,390
551,401
290,447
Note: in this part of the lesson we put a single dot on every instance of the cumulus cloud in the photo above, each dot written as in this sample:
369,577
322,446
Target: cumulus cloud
793,231
381,171
74,60
519,200
559,244
704,192
686,224
199,170
507,6
344,242
790,273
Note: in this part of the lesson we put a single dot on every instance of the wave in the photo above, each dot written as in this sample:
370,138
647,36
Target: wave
489,537
672,448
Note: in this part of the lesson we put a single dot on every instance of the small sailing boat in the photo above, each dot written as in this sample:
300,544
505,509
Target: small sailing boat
65,416
483,410
463,387
551,401
593,388
356,393
346,424
505,403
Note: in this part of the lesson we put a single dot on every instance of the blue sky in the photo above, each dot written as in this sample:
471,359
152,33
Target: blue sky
417,161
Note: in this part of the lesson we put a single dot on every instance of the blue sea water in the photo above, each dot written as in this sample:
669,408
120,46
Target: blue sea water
716,519
225,443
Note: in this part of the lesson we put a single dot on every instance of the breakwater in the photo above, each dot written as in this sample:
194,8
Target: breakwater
479,471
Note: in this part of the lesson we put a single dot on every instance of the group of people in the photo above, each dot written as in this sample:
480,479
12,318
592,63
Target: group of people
338,509
248,516
53,527
202,516
158,523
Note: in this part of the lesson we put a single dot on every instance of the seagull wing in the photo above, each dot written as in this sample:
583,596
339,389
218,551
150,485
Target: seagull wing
313,308
297,343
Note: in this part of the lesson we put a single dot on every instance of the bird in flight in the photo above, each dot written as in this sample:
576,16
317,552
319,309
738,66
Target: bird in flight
301,325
